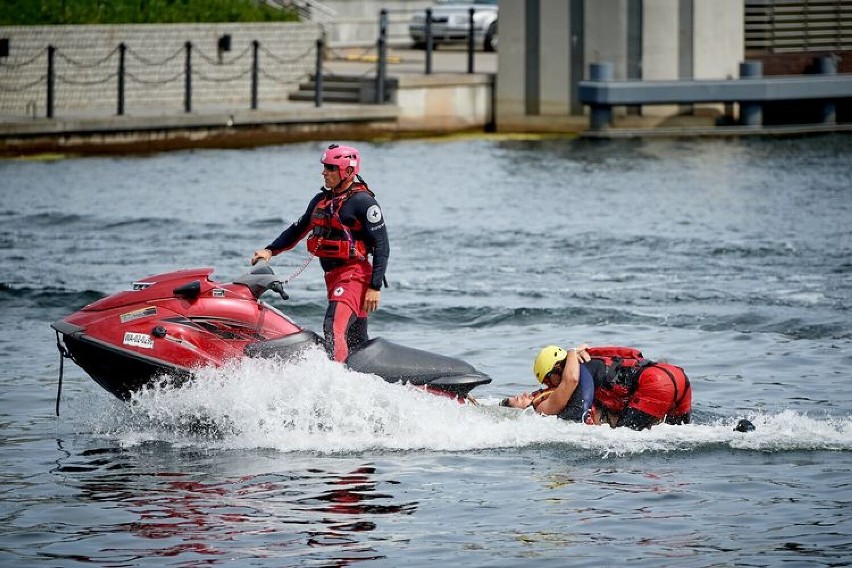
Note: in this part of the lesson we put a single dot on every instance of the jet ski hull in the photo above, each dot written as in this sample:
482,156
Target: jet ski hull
120,372
170,324
392,362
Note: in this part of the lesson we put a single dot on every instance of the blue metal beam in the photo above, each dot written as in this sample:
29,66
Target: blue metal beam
810,87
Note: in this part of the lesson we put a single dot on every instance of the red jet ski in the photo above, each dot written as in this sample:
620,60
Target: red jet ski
171,324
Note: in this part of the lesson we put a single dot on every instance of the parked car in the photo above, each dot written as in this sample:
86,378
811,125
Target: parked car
450,24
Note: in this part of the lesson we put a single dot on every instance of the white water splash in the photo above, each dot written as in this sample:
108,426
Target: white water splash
316,405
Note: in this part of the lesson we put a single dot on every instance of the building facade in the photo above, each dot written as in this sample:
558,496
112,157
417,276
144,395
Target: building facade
546,48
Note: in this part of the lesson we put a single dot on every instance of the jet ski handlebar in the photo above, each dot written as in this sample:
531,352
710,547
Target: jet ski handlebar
260,279
278,288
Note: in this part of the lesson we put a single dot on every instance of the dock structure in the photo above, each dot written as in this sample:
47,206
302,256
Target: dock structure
750,92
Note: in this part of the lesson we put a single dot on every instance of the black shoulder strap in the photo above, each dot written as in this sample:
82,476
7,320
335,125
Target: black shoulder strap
627,376
364,183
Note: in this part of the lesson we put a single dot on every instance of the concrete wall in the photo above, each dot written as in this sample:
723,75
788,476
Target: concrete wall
435,103
86,65
444,102
661,49
677,39
661,39
509,96
606,34
719,38
555,74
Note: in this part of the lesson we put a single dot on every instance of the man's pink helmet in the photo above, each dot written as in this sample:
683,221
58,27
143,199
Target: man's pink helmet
342,157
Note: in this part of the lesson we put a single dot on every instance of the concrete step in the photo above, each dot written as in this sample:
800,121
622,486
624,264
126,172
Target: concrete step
344,89
333,97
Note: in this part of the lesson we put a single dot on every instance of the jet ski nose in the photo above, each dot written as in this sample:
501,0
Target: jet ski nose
461,384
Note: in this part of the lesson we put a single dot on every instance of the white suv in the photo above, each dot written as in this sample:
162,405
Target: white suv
450,24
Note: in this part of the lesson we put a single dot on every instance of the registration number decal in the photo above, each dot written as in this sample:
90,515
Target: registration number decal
138,340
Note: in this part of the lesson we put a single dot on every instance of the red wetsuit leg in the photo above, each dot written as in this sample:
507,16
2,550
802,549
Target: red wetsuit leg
338,318
346,287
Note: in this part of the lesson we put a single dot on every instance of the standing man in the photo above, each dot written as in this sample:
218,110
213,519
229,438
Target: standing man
344,226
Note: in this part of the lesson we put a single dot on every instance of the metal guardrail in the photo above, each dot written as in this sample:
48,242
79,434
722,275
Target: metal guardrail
602,93
381,48
382,84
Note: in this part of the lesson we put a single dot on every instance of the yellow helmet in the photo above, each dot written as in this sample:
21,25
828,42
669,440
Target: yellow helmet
546,359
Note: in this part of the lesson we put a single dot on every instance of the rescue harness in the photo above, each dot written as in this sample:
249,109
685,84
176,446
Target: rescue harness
330,238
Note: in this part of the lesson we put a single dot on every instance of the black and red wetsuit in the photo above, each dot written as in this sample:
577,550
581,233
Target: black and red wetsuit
344,230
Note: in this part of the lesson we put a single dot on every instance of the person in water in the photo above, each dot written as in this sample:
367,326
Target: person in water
612,385
345,226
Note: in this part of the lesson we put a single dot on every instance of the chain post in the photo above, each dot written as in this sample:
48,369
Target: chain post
51,80
187,90
122,49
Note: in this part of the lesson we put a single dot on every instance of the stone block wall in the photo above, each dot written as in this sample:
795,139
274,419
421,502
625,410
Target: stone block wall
86,64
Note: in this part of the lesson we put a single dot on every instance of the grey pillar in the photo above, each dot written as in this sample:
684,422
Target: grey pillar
601,115
827,65
751,112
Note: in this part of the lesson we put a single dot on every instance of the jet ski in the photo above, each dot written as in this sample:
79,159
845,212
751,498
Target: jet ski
168,325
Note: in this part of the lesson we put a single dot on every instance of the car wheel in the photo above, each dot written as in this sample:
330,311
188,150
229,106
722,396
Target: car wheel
490,43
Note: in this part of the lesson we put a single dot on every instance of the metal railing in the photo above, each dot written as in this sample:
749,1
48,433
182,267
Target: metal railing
380,51
381,46
430,43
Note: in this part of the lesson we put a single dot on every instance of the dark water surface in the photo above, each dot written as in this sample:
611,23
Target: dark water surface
732,258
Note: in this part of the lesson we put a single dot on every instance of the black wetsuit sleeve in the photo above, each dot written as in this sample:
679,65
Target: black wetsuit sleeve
363,207
296,231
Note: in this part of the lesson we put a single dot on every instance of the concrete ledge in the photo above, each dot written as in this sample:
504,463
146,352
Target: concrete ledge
208,128
444,80
205,118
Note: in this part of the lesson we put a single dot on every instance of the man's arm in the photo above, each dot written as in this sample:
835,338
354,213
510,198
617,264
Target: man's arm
560,396
375,234
290,236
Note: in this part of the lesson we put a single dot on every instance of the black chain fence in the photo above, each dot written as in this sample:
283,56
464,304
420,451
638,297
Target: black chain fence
130,72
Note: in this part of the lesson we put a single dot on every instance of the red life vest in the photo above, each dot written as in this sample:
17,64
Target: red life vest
330,238
623,367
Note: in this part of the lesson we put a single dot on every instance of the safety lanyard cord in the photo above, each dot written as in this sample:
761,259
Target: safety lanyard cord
299,270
